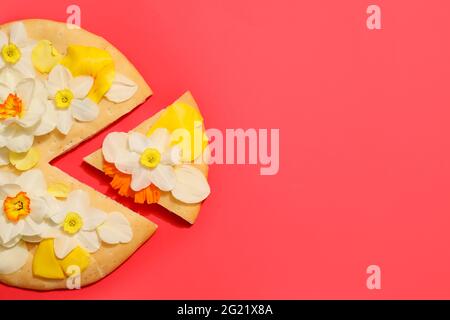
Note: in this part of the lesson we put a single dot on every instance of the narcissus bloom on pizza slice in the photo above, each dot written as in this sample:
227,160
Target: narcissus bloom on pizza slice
30,214
22,105
25,205
80,225
153,160
15,50
68,96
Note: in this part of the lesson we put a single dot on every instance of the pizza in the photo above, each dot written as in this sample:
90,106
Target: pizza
58,87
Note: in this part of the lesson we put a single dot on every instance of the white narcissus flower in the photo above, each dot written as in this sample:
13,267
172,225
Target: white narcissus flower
121,89
4,156
15,50
21,109
14,258
77,223
68,96
24,206
152,160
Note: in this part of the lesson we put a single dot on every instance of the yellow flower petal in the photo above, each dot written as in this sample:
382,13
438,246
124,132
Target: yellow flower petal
183,116
45,56
78,257
94,62
24,161
45,263
59,190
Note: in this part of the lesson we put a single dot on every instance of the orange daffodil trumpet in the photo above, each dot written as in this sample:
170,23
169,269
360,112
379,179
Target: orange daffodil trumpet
68,88
22,105
29,213
25,205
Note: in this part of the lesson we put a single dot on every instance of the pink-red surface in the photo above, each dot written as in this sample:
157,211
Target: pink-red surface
365,146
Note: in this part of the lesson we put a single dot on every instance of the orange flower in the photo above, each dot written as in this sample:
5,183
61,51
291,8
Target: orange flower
17,207
122,182
11,107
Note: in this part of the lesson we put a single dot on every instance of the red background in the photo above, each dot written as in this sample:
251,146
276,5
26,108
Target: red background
365,159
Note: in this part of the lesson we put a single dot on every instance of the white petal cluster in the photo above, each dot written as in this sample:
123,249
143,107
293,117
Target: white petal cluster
127,150
45,217
42,105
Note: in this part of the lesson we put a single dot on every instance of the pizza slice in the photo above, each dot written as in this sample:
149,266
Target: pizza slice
58,87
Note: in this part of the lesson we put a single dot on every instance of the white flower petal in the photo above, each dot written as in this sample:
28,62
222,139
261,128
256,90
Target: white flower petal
138,142
25,66
78,201
33,239
172,156
128,162
25,90
7,177
18,140
84,110
50,230
18,34
64,245
4,156
30,228
59,77
53,205
33,114
4,92
33,182
163,177
10,78
140,179
64,123
3,39
159,139
48,121
12,259
114,145
58,216
116,229
92,219
11,242
52,89
121,89
191,185
40,90
9,190
80,86
39,209
9,230
89,240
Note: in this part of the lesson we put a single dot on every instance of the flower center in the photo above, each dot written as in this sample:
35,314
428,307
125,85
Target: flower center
11,107
150,158
63,98
11,53
72,223
17,207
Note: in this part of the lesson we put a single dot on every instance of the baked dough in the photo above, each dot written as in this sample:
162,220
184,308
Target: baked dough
54,144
